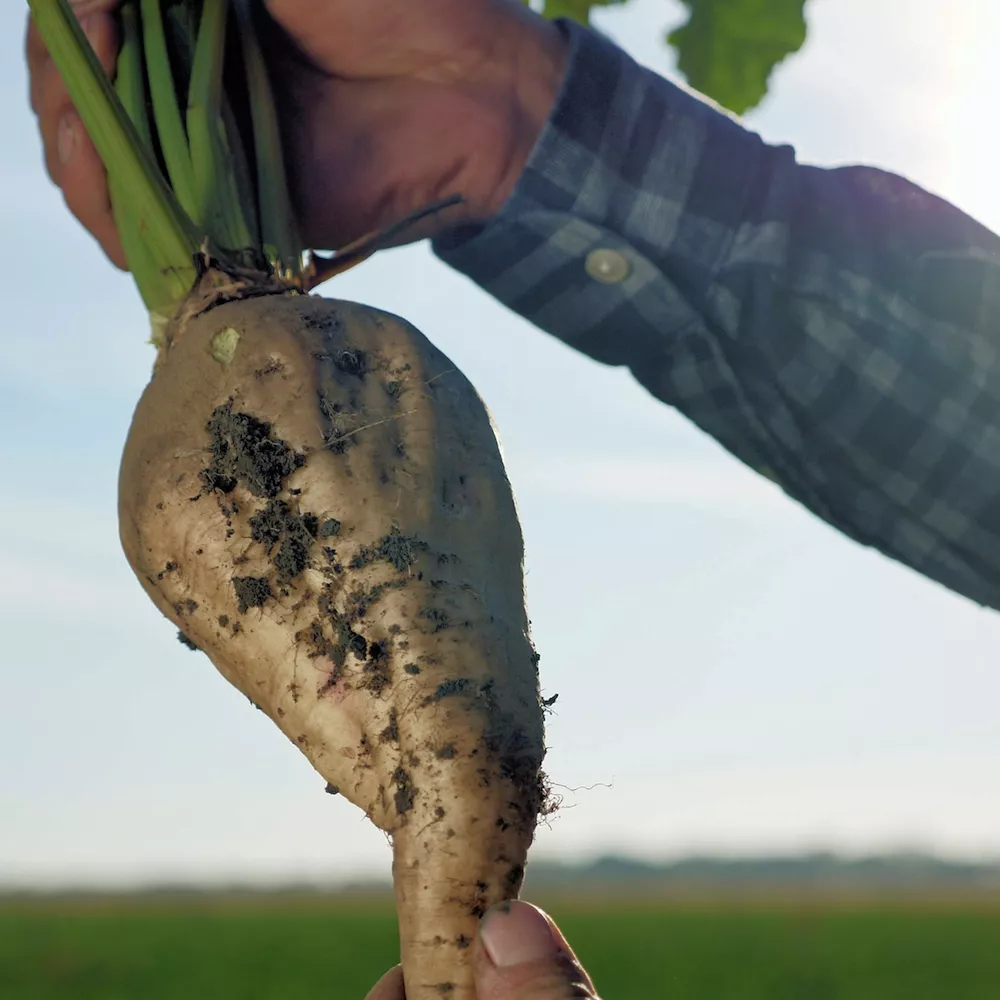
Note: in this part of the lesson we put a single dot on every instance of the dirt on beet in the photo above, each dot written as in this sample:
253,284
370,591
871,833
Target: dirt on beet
243,451
287,535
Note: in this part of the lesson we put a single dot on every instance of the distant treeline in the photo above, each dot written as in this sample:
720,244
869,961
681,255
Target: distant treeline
906,873
820,869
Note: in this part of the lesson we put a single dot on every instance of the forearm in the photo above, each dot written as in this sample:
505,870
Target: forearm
833,329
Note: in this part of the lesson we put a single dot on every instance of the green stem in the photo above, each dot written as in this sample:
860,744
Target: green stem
221,204
169,121
131,90
167,230
282,243
181,20
179,167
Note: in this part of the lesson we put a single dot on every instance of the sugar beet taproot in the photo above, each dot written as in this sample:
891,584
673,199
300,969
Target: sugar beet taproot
329,495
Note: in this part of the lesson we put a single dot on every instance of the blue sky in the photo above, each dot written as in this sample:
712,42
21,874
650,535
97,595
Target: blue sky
733,675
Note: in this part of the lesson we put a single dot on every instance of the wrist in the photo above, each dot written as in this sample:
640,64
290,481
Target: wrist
526,76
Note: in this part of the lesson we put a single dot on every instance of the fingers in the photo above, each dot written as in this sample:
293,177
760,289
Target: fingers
389,987
521,955
70,157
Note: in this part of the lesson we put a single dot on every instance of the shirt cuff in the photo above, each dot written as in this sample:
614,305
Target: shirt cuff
633,178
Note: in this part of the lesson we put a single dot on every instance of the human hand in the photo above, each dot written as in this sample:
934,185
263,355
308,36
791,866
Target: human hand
519,955
386,106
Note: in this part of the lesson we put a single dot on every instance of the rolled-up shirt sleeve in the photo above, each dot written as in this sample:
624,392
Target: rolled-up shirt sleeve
837,330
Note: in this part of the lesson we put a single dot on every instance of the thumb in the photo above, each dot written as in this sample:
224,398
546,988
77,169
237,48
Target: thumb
521,955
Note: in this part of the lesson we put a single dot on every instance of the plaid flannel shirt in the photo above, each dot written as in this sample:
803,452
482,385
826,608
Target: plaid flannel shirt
836,330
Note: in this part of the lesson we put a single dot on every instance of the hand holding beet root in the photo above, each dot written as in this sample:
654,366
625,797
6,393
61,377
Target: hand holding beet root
519,954
386,106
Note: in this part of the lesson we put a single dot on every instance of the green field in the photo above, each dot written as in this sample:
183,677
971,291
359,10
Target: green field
255,948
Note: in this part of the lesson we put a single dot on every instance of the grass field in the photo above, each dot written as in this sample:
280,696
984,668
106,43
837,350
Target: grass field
260,948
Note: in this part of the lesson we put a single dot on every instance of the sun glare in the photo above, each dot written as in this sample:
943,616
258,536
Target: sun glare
972,117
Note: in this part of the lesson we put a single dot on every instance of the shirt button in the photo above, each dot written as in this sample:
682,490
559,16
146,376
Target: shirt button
607,266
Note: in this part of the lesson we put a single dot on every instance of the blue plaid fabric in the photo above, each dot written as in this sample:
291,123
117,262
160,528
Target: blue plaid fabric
837,330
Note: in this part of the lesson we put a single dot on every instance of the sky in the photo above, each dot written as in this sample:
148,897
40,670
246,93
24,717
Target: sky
734,676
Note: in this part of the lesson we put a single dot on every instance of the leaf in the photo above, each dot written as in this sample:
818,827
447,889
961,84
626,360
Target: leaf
578,10
728,48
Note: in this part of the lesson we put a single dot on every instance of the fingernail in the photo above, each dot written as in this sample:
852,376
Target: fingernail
67,139
516,933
